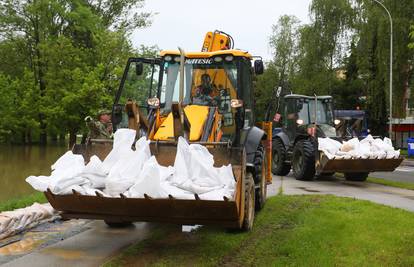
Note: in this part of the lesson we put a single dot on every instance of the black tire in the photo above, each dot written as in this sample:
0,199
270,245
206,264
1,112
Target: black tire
118,224
356,176
249,201
303,160
260,179
279,166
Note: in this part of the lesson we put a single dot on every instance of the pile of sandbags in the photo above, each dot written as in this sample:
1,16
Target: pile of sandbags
134,173
16,221
367,148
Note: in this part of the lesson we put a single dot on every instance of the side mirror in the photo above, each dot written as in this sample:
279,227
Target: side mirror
258,67
139,68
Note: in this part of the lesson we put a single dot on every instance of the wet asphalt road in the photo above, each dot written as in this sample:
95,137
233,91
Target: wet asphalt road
404,173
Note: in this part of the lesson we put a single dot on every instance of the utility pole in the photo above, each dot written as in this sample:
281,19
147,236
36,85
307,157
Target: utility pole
391,47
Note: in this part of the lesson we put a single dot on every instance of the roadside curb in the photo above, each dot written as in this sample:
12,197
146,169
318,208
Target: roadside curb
408,162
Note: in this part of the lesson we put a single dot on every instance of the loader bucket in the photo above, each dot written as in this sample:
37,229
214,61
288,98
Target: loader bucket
227,212
325,165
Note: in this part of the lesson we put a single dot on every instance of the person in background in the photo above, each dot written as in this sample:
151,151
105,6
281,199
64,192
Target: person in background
101,128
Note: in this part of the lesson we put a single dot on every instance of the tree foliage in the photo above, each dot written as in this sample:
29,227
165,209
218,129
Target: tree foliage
63,60
344,51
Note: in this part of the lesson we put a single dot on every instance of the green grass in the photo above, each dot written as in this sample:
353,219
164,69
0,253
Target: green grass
23,201
293,231
404,152
403,185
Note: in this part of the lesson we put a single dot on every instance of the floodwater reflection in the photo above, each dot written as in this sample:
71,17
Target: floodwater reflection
18,162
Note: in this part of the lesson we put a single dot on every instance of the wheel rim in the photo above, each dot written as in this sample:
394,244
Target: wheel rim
263,183
251,208
298,162
275,159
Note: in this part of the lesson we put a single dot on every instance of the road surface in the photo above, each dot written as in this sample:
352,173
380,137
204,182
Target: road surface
404,173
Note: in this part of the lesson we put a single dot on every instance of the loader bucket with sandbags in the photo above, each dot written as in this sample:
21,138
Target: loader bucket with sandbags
194,209
357,157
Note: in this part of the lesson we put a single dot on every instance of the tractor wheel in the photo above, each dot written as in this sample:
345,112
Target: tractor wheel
356,176
118,224
248,203
260,178
279,166
304,160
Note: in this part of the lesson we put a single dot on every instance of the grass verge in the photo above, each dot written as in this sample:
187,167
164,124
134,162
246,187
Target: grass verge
291,230
403,185
22,202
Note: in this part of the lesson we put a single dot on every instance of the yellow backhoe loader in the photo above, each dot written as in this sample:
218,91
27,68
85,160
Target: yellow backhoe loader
205,97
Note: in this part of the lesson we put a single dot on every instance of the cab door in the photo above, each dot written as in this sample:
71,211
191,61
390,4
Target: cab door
140,82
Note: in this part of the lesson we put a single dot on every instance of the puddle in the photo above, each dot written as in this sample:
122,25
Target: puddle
37,237
308,190
65,254
25,244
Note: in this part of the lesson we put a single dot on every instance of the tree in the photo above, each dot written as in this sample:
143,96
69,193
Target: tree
73,50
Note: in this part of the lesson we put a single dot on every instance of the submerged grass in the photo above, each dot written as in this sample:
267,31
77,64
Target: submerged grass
22,202
290,230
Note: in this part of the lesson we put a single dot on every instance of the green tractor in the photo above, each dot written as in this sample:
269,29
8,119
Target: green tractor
302,120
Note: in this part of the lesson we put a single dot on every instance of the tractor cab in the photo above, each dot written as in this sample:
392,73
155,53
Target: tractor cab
216,91
300,115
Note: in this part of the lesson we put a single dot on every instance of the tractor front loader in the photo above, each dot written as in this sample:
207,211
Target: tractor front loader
295,144
205,97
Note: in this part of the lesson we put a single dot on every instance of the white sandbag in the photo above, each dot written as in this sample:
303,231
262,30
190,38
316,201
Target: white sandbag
88,191
69,165
217,194
166,173
39,183
123,140
329,146
12,222
64,186
202,167
149,182
64,161
195,188
94,172
128,168
182,160
367,148
94,166
64,175
176,192
132,168
226,176
5,223
367,140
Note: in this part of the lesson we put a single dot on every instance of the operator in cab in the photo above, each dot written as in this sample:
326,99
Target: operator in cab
204,92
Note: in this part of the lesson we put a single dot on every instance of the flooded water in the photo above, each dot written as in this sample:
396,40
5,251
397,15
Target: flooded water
19,162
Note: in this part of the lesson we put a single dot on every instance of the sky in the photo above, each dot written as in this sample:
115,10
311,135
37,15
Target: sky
184,22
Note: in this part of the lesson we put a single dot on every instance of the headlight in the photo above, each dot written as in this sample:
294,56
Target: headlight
228,58
177,59
236,103
299,121
168,58
218,59
153,102
336,121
